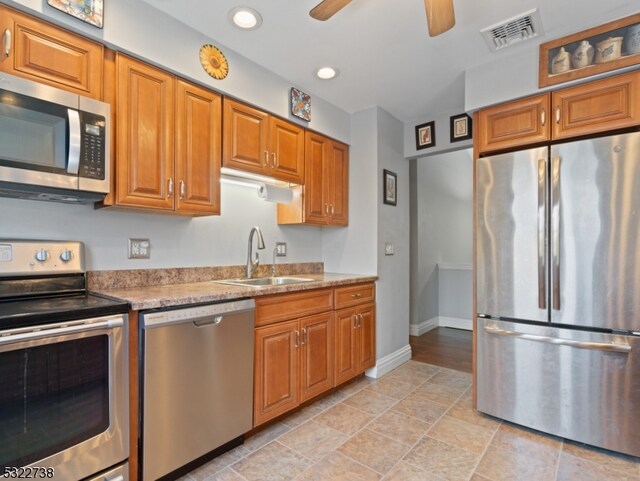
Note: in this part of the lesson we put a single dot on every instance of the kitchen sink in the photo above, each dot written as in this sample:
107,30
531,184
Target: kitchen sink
265,281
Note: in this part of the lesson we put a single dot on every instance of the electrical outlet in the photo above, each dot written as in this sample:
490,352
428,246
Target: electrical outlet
281,249
388,248
139,249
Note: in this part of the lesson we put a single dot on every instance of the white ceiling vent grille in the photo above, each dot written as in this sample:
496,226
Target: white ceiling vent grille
522,27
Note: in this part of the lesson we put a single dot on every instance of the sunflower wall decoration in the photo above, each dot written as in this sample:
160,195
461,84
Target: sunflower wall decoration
214,62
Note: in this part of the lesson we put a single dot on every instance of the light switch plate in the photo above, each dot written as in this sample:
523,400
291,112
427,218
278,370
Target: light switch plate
388,248
281,249
139,249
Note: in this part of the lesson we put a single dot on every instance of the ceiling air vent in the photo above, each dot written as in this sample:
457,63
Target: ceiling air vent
521,27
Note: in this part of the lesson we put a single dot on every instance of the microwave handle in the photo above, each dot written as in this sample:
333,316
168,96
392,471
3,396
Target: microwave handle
73,162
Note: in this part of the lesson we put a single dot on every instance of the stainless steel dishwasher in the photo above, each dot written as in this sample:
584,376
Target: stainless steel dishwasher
196,384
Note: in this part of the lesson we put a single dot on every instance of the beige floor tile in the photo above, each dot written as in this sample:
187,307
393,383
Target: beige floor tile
301,416
462,410
406,472
265,436
608,459
408,375
336,467
226,474
453,379
418,407
441,459
358,385
392,388
501,465
471,437
573,468
439,393
522,440
219,463
330,400
344,418
423,367
477,477
370,402
400,427
313,440
273,462
374,450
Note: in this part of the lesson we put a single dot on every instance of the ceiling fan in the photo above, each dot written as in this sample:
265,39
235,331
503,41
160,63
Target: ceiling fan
440,15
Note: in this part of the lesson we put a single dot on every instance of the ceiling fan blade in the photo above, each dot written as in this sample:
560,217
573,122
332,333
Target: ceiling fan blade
327,8
440,16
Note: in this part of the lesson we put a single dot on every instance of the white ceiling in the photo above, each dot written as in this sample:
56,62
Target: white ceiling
381,47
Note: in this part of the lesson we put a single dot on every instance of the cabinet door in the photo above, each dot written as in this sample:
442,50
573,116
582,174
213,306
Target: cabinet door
286,149
366,351
612,103
316,201
50,55
316,355
276,370
245,131
198,149
345,355
145,133
516,123
337,184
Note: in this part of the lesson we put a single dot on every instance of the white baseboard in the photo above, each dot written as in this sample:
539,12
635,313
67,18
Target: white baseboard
440,321
389,363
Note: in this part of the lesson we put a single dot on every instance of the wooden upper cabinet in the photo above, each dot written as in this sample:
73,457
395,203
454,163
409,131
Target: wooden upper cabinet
512,124
324,198
599,106
145,135
198,149
47,54
259,143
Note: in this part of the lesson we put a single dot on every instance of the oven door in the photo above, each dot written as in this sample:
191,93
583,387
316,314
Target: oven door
63,405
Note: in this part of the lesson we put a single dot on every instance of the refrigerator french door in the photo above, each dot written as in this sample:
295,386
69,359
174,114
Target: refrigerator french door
558,289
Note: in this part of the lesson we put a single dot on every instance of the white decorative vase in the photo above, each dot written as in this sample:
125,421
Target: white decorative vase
583,55
609,49
632,40
560,63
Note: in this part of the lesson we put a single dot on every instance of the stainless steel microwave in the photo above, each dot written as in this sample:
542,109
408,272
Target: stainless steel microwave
54,145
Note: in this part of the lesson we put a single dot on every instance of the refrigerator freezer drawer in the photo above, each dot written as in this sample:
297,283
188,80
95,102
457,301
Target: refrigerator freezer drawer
575,384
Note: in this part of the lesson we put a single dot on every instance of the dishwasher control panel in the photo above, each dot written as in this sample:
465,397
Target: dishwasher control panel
194,313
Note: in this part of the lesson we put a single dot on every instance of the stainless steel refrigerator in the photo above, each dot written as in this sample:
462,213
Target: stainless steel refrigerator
558,289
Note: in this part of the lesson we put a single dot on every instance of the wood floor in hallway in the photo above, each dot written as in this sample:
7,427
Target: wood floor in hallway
444,347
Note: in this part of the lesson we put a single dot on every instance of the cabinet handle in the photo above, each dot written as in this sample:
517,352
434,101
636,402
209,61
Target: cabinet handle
543,117
304,336
273,159
333,210
7,42
297,339
357,294
183,190
170,188
355,321
266,158
326,209
359,320
558,114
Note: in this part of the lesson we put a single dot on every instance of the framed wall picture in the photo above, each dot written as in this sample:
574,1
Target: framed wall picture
389,187
426,135
300,104
89,11
460,127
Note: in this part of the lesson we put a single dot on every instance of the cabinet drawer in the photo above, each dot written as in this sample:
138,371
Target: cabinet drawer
353,295
281,307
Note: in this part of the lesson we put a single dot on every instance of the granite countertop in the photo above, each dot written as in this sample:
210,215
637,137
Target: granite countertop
150,297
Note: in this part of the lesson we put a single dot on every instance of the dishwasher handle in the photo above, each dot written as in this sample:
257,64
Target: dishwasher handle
200,315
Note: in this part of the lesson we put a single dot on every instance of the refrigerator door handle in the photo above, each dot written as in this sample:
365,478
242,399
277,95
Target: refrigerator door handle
542,232
555,232
621,346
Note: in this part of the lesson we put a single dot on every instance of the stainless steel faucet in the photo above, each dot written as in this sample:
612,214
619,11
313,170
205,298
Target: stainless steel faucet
251,264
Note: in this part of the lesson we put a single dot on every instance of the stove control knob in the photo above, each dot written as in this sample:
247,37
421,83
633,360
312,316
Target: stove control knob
66,255
42,255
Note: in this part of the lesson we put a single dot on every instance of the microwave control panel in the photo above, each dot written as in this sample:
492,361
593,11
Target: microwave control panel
92,162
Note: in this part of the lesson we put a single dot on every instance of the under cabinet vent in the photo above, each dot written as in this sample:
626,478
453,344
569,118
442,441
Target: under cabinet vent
521,27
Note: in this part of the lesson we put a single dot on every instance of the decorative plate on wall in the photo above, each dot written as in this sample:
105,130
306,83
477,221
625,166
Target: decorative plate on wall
214,62
89,11
300,104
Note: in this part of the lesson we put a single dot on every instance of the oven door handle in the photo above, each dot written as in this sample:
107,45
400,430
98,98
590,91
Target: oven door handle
59,329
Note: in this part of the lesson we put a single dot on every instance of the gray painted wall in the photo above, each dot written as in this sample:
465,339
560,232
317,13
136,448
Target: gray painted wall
442,223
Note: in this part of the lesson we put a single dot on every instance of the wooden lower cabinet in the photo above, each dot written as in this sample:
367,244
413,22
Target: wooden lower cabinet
316,355
355,341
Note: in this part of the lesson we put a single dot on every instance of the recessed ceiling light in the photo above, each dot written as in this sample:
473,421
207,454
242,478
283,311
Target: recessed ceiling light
245,18
326,73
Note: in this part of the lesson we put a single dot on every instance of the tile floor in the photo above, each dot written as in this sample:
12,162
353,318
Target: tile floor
414,424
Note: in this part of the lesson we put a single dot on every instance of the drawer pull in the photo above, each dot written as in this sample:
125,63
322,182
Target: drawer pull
356,295
7,42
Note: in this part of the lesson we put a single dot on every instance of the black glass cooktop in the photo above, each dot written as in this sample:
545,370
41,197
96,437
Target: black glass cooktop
47,310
